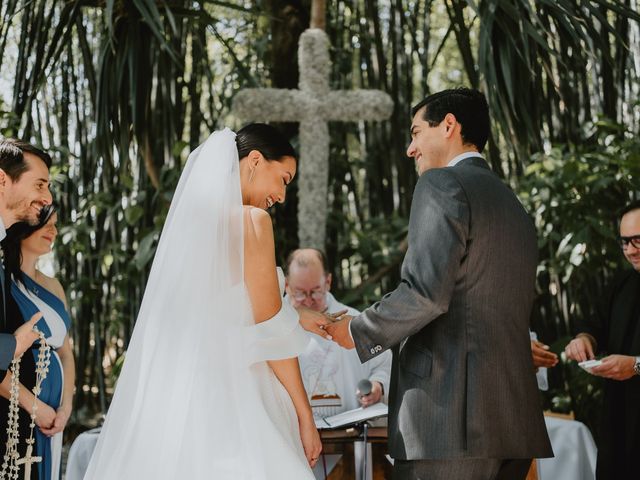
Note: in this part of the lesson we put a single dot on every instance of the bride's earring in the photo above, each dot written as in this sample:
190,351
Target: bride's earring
253,170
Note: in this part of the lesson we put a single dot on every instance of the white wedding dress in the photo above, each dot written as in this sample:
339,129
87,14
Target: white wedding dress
196,398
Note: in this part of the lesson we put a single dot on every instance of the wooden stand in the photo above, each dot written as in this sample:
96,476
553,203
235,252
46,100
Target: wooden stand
341,442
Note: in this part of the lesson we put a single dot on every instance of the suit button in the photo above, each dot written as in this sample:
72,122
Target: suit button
378,348
373,351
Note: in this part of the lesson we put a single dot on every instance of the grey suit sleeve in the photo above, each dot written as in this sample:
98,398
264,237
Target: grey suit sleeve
438,235
7,350
381,370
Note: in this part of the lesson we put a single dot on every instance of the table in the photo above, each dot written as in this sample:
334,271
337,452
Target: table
574,449
348,444
80,454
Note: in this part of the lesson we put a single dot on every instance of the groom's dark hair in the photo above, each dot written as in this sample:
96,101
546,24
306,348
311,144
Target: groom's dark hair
12,157
467,105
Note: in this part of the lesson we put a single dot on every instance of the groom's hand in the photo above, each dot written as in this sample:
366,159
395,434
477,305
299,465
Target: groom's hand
339,331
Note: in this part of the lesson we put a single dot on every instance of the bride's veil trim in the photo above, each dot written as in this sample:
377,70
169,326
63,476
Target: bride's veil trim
186,404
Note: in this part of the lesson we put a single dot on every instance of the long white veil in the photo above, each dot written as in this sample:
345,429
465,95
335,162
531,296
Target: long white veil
180,406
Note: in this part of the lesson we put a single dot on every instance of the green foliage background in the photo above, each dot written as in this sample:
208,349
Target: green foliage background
575,195
121,90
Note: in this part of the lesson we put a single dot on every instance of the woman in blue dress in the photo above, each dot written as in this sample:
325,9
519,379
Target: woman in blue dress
34,291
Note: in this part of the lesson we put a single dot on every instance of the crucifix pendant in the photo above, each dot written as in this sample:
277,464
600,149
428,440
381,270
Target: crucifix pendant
27,460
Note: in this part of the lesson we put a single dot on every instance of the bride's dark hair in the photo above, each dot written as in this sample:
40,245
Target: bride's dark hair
268,140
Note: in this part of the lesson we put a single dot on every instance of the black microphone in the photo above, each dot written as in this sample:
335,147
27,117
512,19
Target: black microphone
365,387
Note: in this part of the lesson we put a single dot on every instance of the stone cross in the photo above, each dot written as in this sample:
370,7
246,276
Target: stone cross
27,460
313,105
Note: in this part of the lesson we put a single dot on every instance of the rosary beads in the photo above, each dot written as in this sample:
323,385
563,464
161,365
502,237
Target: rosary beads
12,461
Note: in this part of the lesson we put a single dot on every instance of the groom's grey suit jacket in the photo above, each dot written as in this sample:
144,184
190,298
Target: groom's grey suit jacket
463,382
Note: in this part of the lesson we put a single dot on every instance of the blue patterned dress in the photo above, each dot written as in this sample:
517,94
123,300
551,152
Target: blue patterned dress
31,298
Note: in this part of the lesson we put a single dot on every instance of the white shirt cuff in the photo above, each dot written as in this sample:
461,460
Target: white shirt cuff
351,334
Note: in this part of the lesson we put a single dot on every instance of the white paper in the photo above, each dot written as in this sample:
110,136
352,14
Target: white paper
587,365
353,416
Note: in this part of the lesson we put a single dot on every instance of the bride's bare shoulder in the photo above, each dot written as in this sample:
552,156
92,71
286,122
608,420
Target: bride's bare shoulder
257,223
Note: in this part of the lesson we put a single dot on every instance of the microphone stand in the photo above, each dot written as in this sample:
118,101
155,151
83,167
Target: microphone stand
366,450
364,387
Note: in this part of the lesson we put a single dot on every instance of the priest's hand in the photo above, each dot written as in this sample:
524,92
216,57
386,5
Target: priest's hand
314,322
615,367
25,336
310,441
580,349
542,357
339,331
374,396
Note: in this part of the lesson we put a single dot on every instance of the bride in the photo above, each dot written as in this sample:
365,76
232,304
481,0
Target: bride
211,387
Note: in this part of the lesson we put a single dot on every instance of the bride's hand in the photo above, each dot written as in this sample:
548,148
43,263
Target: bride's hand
310,441
314,322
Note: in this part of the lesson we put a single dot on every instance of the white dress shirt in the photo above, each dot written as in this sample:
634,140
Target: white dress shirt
458,158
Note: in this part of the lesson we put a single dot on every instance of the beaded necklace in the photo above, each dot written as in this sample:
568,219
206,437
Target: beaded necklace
12,461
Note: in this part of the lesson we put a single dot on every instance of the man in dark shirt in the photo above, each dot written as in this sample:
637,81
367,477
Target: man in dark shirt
616,334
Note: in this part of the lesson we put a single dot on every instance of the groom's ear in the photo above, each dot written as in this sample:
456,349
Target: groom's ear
450,123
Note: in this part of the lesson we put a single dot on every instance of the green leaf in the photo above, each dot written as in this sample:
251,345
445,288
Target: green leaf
146,250
133,214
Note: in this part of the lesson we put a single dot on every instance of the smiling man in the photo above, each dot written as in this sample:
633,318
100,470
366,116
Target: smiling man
615,331
24,191
463,400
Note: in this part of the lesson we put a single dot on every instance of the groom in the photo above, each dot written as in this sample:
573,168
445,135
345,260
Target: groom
463,396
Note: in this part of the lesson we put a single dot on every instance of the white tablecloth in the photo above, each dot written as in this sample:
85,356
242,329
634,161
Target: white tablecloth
574,449
80,454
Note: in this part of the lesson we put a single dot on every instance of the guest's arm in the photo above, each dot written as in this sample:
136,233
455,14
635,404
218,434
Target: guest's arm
594,330
581,348
616,367
12,346
541,355
7,350
63,413
65,352
45,415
